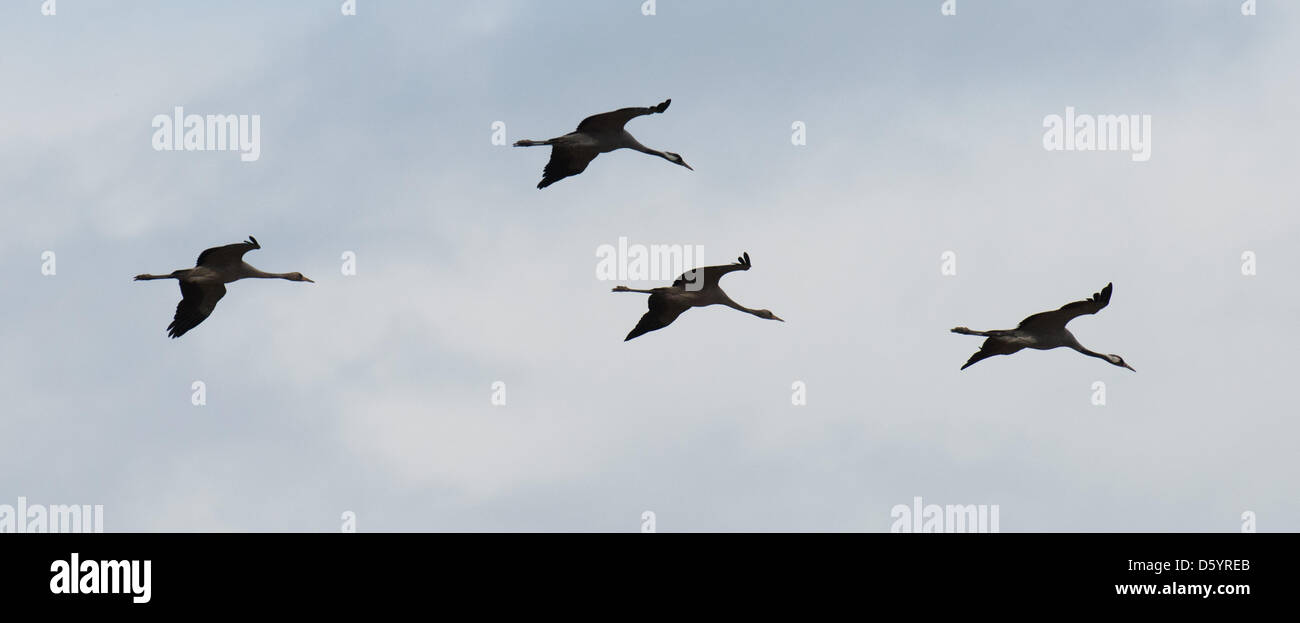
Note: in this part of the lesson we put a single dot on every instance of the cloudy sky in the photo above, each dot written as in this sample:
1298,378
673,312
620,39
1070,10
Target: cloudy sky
372,393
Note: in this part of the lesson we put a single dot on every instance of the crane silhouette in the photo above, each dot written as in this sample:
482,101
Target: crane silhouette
1043,331
204,285
695,288
597,134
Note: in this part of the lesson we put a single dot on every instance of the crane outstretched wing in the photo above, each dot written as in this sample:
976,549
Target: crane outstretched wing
1059,317
197,303
700,278
662,313
991,347
615,120
565,161
228,255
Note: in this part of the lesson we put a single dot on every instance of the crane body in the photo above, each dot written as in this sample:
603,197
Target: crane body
204,285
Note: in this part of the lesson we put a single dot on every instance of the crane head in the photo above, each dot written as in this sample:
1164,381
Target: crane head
1119,361
299,277
676,159
763,313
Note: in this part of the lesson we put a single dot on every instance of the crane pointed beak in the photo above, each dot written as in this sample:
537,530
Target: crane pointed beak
688,166
1129,367
308,280
775,318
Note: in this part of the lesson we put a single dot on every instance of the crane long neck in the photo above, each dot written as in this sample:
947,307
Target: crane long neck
632,143
726,300
253,273
1084,350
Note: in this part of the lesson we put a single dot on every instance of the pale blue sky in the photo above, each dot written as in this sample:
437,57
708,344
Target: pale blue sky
371,393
